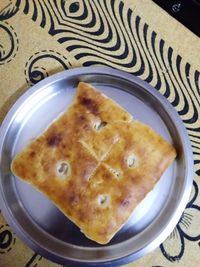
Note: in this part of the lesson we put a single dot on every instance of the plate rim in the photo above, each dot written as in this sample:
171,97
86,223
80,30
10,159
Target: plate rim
171,112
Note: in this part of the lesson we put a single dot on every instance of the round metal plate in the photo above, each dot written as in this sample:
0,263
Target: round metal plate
40,224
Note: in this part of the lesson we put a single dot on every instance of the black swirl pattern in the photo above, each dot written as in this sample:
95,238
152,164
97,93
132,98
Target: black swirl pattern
33,261
39,65
7,239
9,43
10,8
182,230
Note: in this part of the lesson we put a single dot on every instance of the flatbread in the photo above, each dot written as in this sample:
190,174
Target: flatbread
95,162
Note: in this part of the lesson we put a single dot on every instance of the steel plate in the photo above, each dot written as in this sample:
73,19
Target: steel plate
40,224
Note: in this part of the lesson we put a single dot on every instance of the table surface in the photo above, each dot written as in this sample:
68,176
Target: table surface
42,37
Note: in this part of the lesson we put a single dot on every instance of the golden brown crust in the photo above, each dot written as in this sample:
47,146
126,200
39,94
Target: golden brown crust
95,163
100,105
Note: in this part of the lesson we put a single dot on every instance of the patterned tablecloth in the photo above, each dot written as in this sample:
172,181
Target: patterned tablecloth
41,37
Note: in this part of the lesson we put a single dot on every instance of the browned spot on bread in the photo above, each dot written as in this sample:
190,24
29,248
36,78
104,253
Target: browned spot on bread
103,232
54,140
125,203
81,117
73,198
90,104
107,176
86,127
32,154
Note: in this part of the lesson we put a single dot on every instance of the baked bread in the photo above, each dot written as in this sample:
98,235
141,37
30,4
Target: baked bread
95,163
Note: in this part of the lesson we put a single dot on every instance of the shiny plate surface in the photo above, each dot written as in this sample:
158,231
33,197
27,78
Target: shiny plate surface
40,224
